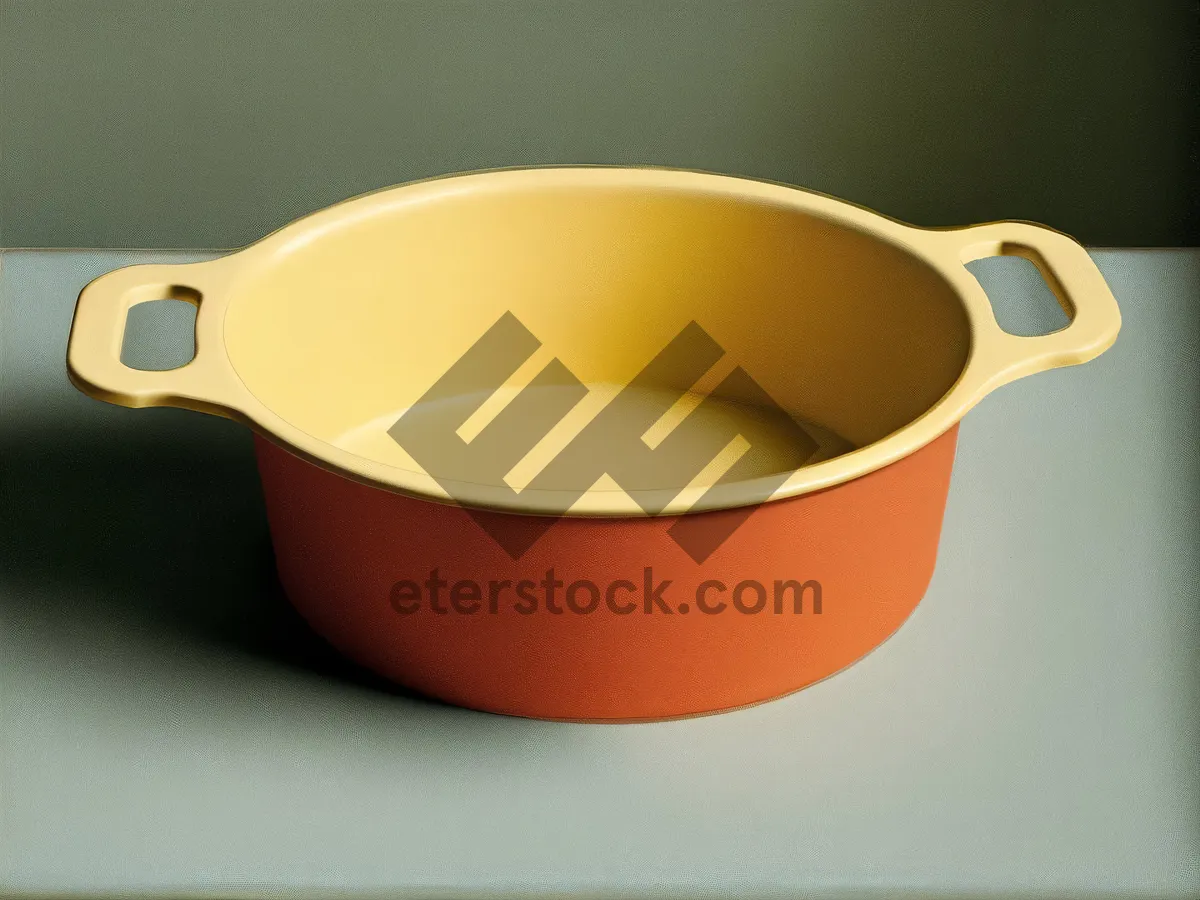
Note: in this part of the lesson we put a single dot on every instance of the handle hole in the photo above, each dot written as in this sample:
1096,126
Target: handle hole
1024,304
160,334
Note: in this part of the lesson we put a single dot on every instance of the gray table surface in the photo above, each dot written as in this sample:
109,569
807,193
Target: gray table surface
168,726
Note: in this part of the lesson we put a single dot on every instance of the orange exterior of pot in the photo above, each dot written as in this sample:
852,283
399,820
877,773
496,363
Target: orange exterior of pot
870,544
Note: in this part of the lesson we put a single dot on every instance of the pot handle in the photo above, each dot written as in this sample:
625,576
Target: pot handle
207,383
1076,282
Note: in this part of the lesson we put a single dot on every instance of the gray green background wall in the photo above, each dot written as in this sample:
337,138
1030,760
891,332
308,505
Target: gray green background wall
127,123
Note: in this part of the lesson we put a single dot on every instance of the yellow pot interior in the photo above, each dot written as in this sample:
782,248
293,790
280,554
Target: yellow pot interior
340,328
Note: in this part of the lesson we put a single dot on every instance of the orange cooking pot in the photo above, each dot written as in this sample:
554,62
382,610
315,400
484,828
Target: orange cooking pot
599,443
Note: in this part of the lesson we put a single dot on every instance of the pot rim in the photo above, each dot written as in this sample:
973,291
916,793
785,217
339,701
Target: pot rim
209,383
